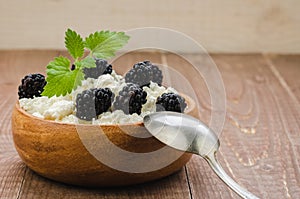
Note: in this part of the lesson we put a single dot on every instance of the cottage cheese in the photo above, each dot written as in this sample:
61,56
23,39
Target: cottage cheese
54,108
62,108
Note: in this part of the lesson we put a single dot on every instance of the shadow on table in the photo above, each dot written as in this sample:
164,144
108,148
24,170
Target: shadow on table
36,186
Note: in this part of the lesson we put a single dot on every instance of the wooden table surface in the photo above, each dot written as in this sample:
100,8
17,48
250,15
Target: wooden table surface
260,142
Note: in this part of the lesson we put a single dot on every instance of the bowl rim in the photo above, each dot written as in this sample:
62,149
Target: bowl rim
190,108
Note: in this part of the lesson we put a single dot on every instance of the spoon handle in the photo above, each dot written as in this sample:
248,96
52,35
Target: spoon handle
215,165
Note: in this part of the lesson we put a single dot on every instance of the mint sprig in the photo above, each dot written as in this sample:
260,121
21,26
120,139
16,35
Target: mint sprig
74,44
104,44
88,62
62,78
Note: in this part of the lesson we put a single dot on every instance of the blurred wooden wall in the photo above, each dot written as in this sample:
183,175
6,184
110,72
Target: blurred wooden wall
220,26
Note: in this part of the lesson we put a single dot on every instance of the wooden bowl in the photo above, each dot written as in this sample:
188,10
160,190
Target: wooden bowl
54,150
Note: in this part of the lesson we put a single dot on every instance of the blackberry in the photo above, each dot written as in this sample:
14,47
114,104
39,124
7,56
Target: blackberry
140,74
170,102
130,99
32,86
104,98
157,76
144,72
102,67
91,103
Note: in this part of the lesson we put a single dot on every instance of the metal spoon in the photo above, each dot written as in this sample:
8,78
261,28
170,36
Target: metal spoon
187,133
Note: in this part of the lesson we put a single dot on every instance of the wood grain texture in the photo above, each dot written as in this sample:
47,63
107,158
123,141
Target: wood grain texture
287,69
226,26
260,145
174,186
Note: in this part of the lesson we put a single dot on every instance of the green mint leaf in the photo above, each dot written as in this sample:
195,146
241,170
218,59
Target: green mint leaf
104,44
74,44
88,62
60,79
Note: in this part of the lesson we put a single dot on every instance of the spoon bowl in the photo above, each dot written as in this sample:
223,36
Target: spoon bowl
186,133
182,132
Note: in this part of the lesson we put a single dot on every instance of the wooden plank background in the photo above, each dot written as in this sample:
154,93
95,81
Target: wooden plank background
260,145
220,26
